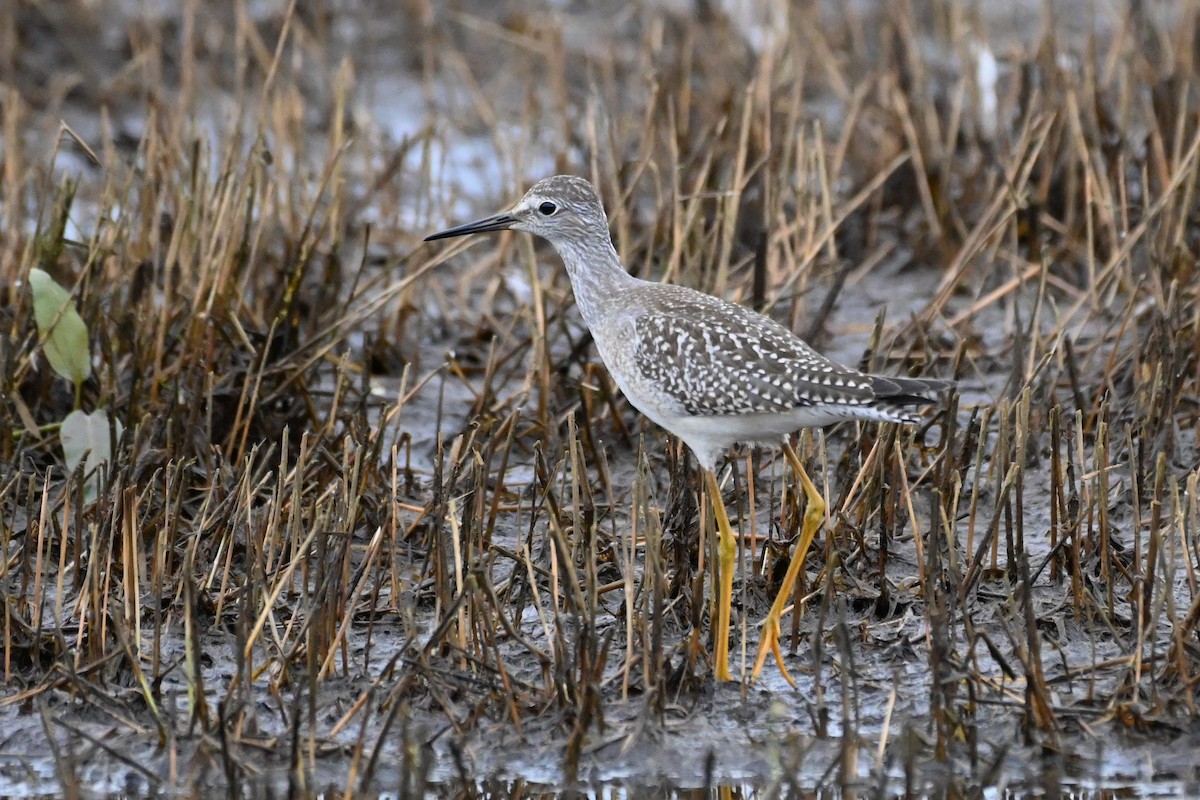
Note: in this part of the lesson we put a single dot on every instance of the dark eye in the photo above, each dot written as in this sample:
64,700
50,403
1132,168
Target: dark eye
546,209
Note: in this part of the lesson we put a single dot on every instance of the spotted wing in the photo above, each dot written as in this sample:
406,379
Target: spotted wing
717,358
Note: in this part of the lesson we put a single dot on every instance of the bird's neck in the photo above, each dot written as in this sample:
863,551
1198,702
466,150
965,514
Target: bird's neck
597,277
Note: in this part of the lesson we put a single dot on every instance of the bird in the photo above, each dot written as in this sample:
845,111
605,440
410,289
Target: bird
708,370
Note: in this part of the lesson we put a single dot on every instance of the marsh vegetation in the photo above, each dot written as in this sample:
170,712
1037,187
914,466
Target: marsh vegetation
374,517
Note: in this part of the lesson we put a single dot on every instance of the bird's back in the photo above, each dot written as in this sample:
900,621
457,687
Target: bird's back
716,373
717,358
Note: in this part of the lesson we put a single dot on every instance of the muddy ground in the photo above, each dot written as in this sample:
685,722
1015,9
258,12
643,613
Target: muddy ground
376,519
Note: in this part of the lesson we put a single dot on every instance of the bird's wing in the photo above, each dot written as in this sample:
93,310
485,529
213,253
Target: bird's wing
718,358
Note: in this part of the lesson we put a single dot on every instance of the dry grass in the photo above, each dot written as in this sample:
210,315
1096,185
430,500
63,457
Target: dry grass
378,516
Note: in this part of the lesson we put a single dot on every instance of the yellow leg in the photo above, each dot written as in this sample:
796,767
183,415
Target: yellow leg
727,559
813,516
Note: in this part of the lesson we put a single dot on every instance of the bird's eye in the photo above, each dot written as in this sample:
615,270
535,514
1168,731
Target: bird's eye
547,209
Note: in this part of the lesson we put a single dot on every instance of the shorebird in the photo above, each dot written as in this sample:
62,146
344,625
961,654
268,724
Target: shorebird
710,371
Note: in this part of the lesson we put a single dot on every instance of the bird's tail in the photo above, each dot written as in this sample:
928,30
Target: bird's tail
905,396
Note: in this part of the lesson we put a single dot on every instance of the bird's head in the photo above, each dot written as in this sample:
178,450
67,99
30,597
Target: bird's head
561,209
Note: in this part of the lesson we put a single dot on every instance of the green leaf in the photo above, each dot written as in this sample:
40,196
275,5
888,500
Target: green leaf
88,435
63,332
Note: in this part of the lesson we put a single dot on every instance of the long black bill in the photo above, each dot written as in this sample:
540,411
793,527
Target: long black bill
499,222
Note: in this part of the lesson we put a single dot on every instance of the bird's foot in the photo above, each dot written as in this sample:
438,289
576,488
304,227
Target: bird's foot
769,643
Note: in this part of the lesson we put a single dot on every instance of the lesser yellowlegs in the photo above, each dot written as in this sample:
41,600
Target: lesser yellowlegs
709,371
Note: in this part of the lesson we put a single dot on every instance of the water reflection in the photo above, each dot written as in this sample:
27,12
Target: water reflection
521,790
